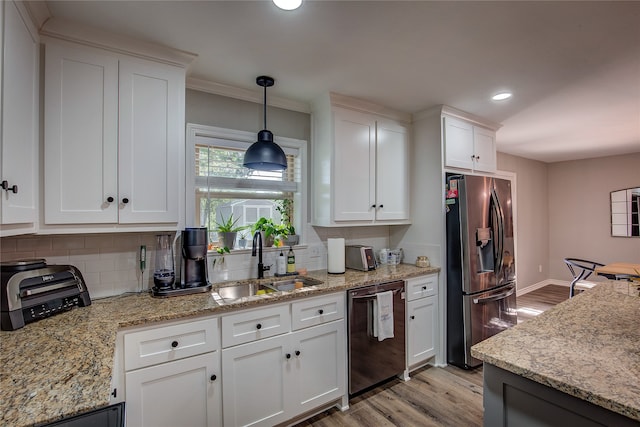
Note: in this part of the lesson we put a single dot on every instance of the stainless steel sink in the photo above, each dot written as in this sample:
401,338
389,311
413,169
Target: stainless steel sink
290,284
234,292
227,294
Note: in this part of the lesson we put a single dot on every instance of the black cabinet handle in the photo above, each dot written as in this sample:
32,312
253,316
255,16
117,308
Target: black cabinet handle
477,157
114,393
321,311
297,352
213,377
412,317
125,200
288,355
5,187
258,326
424,288
174,344
110,199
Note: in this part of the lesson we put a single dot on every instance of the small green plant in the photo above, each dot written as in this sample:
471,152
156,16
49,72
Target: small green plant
229,225
267,226
285,208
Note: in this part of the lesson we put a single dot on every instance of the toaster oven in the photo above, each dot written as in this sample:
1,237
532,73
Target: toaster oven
32,290
359,257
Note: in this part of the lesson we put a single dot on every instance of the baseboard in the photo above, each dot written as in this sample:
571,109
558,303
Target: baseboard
542,284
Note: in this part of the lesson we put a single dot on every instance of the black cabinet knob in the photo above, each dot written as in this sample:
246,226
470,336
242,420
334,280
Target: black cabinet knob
321,311
213,377
381,206
110,199
297,352
288,355
174,344
4,184
259,326
412,317
373,206
424,288
125,200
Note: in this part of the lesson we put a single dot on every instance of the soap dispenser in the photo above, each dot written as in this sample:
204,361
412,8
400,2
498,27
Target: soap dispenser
281,264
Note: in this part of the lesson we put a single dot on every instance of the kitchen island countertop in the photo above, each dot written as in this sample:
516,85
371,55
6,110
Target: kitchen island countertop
62,365
587,347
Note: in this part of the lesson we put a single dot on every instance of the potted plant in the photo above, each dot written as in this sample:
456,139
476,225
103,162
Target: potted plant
227,231
287,231
268,229
242,241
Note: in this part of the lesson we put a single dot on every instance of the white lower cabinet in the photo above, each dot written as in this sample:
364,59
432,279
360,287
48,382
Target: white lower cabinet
172,375
184,393
422,319
272,380
421,329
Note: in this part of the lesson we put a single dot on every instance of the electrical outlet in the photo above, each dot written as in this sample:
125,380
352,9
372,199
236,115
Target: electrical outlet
314,251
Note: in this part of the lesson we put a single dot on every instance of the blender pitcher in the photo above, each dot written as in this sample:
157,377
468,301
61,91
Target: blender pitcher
164,274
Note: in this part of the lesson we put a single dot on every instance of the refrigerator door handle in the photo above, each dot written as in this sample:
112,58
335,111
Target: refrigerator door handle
497,297
495,204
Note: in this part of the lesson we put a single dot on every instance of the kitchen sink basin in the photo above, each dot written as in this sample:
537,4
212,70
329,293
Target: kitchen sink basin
234,292
290,284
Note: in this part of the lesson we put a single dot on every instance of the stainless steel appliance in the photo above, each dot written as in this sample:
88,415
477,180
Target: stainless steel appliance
481,273
193,266
371,360
33,290
359,257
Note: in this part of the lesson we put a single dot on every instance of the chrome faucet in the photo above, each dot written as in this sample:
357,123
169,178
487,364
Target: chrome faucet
257,244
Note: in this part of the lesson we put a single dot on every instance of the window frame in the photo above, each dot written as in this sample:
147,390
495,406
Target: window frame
242,139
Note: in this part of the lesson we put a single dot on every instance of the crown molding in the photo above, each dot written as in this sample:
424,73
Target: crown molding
246,94
78,33
38,12
339,100
454,112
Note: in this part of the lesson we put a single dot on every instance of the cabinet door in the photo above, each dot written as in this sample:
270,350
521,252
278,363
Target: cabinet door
484,147
354,166
81,131
392,171
19,146
151,134
319,362
185,393
422,329
458,143
254,388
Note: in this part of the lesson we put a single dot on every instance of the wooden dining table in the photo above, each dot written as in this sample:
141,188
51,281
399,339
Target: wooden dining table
619,270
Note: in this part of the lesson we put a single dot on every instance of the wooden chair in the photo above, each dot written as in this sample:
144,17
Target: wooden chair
580,270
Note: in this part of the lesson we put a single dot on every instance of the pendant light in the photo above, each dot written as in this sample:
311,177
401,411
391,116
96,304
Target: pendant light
264,154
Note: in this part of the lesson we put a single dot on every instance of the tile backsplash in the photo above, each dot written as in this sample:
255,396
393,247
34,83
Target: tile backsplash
110,262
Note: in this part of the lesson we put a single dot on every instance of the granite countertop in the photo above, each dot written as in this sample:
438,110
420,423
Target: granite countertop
62,365
587,347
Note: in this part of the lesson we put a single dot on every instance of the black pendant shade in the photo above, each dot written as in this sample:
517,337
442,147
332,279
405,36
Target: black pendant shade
264,154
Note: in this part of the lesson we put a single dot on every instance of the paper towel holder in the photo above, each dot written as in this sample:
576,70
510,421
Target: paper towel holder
335,256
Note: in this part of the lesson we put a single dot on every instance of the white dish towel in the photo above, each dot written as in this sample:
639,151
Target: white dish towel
383,315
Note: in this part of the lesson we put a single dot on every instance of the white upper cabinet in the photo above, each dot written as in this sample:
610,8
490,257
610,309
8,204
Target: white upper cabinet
114,138
468,146
20,101
360,165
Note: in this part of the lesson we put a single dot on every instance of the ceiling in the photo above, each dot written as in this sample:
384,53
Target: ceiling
574,67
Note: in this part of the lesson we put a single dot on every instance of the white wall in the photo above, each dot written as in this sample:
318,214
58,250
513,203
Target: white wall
532,211
579,222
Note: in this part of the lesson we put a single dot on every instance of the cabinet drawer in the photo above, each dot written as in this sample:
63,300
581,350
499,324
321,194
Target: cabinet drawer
423,286
253,325
172,342
316,311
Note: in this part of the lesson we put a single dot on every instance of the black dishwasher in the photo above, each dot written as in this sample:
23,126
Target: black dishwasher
372,360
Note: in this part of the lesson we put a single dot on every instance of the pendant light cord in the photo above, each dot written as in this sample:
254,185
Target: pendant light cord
265,106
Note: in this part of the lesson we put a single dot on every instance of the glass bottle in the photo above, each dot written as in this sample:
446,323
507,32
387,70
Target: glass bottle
164,274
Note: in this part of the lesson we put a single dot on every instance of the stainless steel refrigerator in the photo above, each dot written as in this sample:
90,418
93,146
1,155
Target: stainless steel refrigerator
481,269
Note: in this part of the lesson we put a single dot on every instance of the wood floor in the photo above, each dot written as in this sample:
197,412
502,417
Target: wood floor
433,396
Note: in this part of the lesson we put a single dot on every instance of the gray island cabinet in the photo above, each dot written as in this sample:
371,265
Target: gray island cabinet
576,364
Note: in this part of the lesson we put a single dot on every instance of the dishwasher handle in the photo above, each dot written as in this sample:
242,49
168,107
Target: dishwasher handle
372,296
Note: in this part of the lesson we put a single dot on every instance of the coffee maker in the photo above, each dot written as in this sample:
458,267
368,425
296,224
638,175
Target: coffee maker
194,258
193,265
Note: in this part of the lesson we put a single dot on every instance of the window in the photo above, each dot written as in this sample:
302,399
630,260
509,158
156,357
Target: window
219,187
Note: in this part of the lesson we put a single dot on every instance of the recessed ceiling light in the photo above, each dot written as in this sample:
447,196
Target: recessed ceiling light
288,4
502,96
